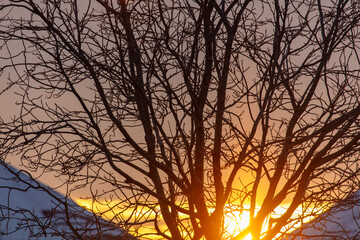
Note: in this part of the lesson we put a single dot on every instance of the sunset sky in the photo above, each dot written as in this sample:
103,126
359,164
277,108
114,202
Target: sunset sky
184,112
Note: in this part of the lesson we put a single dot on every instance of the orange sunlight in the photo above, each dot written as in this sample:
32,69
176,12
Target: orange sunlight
235,221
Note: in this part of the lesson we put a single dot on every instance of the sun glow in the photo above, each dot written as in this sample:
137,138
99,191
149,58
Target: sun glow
234,222
237,220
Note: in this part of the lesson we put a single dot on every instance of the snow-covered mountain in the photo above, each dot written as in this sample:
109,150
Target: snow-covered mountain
340,222
31,210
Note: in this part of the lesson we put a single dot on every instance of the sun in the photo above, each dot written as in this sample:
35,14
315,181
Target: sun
236,220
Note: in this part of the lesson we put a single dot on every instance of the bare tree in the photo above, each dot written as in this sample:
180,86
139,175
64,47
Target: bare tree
188,109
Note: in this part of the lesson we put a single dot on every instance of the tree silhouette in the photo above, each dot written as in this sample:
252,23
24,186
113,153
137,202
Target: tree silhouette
185,110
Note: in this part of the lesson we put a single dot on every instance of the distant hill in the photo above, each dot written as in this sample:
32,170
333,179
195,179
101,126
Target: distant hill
31,210
341,222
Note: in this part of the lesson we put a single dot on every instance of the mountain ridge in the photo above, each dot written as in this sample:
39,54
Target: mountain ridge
31,210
